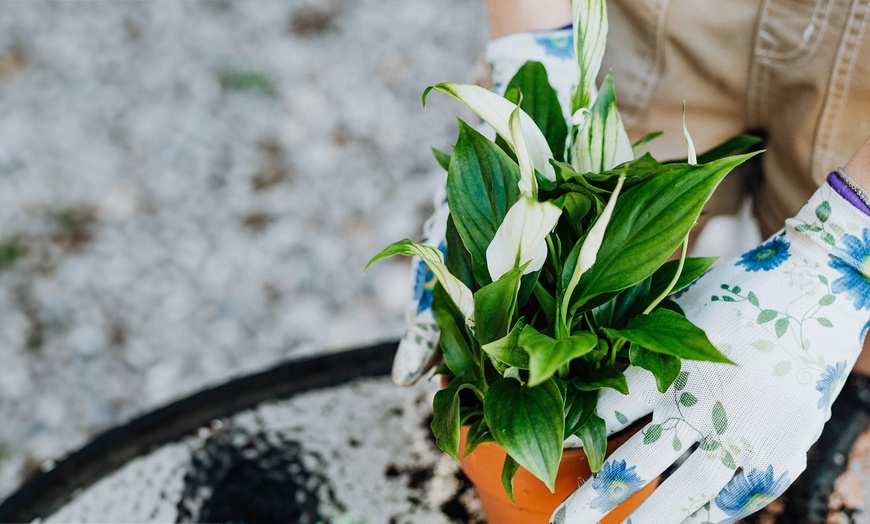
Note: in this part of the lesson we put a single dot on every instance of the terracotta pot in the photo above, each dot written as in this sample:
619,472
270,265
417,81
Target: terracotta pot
534,502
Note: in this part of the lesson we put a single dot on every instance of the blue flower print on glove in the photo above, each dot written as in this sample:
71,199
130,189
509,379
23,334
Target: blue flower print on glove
613,484
559,45
766,256
747,493
854,264
830,378
425,282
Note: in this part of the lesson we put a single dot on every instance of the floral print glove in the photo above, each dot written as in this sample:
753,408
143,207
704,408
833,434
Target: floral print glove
555,49
792,314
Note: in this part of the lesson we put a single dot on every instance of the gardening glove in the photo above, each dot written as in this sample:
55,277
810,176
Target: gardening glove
417,351
792,315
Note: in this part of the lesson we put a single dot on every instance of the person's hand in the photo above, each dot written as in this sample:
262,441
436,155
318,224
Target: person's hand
792,314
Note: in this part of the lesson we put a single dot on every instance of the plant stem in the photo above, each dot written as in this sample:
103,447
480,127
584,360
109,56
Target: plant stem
674,280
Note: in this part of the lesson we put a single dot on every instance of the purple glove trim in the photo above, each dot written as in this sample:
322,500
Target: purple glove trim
844,190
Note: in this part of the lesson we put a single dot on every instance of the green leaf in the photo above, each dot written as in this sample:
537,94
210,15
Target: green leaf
825,322
736,290
733,145
458,291
687,399
829,239
478,433
781,327
693,268
726,298
677,444
579,406
682,379
539,101
547,355
650,220
457,258
508,472
720,418
546,300
631,302
823,211
823,280
635,147
664,368
605,377
507,349
454,347
664,331
594,437
652,433
496,111
494,306
766,315
445,424
482,185
528,423
442,158
827,300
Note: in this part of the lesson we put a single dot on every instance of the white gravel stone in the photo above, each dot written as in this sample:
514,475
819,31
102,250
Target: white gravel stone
194,188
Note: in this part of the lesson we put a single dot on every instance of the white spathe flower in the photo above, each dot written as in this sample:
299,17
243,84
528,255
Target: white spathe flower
595,237
521,238
496,110
528,184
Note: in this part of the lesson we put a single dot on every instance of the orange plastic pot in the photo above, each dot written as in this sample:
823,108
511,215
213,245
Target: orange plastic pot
534,501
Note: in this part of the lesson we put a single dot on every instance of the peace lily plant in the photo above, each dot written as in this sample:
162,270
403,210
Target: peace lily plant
557,271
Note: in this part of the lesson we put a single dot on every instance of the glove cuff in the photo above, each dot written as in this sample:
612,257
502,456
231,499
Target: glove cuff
554,49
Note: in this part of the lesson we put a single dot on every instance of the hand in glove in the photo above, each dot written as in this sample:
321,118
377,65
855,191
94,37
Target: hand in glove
792,314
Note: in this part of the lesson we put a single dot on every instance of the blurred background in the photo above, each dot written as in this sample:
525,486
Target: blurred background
189,191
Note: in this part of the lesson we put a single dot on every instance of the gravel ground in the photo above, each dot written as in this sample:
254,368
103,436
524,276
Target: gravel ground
189,191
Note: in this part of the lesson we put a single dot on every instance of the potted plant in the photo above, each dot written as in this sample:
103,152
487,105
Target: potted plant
558,264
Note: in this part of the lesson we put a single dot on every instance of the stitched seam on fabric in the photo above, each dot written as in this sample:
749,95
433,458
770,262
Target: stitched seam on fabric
820,20
835,98
755,73
645,83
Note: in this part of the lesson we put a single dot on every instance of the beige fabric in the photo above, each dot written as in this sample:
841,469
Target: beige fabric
795,71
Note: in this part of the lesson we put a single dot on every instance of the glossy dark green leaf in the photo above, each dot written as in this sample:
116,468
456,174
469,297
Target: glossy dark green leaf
454,346
458,259
594,437
605,377
442,158
547,355
579,406
616,312
541,103
482,185
445,424
667,332
649,222
494,306
478,433
507,349
733,145
693,268
664,368
529,424
508,472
